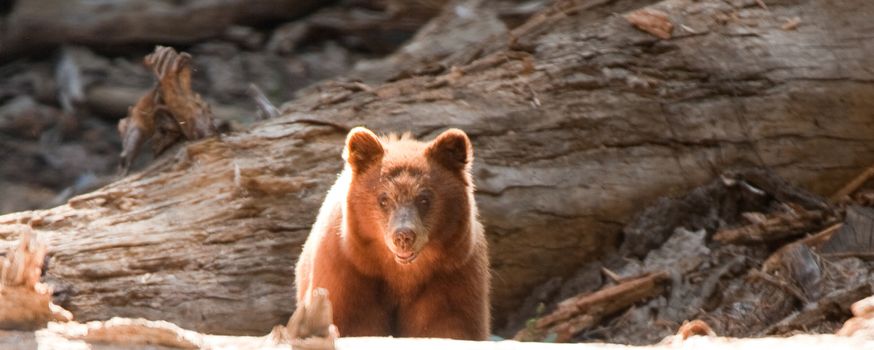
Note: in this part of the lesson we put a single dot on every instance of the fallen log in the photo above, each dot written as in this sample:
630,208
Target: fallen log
572,136
142,335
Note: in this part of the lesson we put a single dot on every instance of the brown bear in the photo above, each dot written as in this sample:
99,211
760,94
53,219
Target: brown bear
397,242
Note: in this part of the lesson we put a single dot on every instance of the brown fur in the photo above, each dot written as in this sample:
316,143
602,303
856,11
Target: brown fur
362,236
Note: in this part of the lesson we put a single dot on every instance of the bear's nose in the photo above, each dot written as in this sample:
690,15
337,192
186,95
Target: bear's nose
403,239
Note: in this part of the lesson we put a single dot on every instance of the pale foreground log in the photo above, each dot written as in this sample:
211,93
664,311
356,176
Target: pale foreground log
579,125
73,336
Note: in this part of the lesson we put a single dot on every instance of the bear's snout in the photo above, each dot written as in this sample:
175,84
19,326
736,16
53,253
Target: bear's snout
404,239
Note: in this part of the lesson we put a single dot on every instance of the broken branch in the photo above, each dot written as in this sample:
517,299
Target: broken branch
585,310
774,227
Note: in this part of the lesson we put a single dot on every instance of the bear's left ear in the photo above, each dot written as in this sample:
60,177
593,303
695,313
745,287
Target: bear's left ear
452,149
363,149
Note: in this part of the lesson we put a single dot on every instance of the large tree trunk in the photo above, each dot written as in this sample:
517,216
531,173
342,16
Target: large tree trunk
576,126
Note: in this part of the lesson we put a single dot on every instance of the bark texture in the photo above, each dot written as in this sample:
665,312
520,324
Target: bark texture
576,124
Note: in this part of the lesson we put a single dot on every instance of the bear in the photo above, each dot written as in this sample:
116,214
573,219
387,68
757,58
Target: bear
397,242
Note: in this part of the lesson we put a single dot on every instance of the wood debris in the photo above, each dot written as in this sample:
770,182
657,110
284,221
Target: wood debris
854,184
791,24
69,79
311,326
266,109
818,312
651,21
761,4
688,329
777,226
747,255
131,332
586,310
853,238
25,303
862,321
169,111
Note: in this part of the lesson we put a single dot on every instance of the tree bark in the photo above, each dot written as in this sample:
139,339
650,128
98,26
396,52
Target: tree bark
576,125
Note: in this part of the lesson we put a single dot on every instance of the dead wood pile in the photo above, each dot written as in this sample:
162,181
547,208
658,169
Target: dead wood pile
755,257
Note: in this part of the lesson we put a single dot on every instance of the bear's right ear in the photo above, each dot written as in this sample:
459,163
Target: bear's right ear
452,149
363,149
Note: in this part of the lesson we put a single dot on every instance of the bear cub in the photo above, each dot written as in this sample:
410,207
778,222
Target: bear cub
397,242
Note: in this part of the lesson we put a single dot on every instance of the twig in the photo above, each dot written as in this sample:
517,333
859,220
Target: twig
860,255
611,275
266,110
761,4
336,126
70,87
819,311
781,284
822,236
853,185
774,227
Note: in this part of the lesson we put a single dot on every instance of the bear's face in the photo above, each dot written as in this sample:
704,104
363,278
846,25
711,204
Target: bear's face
412,196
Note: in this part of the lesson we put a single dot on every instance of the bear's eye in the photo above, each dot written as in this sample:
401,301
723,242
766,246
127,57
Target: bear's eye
383,200
423,200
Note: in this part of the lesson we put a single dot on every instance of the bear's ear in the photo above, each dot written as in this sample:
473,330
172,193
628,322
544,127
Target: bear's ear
452,149
363,149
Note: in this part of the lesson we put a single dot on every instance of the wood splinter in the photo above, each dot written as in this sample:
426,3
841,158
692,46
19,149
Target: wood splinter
128,332
688,329
854,184
862,321
25,303
266,109
311,326
652,21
